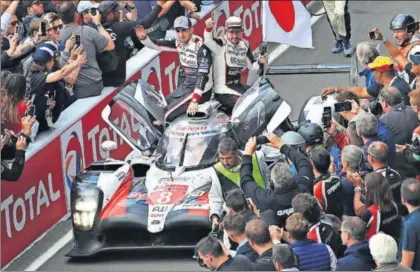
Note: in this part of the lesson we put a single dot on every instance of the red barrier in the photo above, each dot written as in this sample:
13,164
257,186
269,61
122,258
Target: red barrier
38,201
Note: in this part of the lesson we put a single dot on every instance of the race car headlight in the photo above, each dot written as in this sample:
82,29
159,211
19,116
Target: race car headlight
86,203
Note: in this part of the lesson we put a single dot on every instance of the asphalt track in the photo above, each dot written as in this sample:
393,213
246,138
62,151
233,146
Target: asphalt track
294,89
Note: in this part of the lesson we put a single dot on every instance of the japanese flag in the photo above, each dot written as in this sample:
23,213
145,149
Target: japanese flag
288,22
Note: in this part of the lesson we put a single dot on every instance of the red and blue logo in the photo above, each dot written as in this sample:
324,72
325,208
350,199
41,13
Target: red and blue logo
74,160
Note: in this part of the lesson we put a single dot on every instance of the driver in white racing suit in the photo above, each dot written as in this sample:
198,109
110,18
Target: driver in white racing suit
194,79
231,55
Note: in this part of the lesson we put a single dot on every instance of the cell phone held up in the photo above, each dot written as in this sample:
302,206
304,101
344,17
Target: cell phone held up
78,40
43,29
326,117
342,106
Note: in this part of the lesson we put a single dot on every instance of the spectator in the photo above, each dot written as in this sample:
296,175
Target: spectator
7,15
399,118
381,213
327,188
368,130
410,155
89,82
54,26
13,105
13,147
86,11
384,251
34,9
211,254
410,194
284,258
119,31
366,53
357,255
234,224
285,187
385,75
47,88
260,241
377,158
237,203
320,230
312,256
352,159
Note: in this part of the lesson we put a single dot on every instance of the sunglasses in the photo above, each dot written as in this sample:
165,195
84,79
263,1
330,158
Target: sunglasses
14,23
55,28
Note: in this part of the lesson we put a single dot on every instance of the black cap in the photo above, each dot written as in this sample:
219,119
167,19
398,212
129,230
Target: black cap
108,6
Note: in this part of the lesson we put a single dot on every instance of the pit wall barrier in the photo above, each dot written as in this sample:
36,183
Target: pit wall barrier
40,199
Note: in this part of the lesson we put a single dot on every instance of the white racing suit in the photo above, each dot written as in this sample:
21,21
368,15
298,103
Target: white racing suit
339,18
229,60
195,76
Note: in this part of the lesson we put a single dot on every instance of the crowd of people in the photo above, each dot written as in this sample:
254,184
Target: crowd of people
55,53
346,195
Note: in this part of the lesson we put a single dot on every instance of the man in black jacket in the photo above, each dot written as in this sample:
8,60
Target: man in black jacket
234,224
259,239
212,255
119,31
279,198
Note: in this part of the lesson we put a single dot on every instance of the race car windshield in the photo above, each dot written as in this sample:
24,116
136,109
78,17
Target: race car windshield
195,151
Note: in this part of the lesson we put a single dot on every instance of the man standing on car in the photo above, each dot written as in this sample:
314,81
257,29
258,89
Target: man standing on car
232,54
227,170
195,77
119,31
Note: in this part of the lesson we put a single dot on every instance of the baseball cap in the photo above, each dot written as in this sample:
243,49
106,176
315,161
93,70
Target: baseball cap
83,6
381,63
415,58
233,22
182,22
45,53
108,6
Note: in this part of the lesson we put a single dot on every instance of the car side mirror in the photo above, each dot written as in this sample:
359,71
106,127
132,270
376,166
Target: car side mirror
109,146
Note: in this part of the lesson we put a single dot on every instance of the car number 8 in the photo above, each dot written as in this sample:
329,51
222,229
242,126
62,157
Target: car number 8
165,198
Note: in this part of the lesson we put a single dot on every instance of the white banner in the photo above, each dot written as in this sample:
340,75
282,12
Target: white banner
287,22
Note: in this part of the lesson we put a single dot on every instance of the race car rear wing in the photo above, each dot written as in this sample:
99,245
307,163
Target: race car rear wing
297,69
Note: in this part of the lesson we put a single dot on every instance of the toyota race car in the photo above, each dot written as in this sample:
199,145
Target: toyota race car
159,196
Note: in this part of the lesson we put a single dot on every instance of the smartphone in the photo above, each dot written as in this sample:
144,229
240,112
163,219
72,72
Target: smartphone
43,29
78,40
326,117
343,106
93,11
372,35
30,111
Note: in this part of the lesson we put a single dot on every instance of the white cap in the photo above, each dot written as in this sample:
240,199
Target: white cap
233,22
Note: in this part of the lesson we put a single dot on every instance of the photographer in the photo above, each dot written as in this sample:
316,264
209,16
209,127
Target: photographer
284,185
13,147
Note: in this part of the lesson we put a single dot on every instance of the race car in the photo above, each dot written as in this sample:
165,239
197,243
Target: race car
159,196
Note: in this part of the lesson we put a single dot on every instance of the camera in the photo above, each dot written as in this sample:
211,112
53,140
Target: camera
9,148
374,107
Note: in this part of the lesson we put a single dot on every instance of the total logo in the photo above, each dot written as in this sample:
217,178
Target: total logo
72,153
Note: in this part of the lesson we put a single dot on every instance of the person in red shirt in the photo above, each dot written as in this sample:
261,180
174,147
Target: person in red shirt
12,104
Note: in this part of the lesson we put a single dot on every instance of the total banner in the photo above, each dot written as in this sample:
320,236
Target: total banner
34,204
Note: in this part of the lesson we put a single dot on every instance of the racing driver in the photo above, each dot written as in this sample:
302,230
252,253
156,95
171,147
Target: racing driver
194,79
232,54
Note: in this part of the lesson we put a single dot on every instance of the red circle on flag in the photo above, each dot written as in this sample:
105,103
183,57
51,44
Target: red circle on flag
284,13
